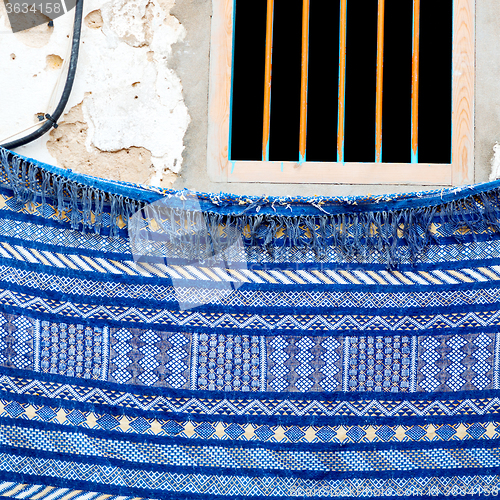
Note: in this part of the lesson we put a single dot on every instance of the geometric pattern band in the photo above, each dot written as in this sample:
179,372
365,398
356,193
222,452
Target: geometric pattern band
348,348
249,363
243,362
475,404
77,262
217,430
305,298
29,491
305,324
240,485
483,485
197,455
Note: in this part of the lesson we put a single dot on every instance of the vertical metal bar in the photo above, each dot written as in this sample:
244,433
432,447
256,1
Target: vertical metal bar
267,80
380,80
414,80
303,80
342,75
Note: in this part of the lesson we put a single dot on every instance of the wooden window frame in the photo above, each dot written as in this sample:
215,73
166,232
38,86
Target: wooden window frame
459,172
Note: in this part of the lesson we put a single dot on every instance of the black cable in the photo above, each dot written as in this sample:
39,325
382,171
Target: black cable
52,119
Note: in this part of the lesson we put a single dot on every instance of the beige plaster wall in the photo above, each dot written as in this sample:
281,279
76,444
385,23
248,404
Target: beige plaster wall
487,116
139,108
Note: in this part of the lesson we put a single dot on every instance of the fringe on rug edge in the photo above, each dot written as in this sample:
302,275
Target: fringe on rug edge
352,228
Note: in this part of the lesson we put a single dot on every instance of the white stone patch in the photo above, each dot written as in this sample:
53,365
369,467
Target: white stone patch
26,82
495,163
136,99
125,20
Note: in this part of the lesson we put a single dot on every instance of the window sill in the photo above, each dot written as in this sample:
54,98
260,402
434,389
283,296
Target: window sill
333,173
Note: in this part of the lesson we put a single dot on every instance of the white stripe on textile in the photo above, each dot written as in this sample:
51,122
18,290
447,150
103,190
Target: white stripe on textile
281,277
6,486
12,252
52,258
445,277
29,491
80,262
172,273
141,267
474,274
92,263
5,253
293,276
416,278
337,277
222,274
195,271
364,277
309,277
238,275
59,492
26,253
251,275
389,277
108,266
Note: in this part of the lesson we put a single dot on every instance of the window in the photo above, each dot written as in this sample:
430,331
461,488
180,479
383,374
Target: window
361,91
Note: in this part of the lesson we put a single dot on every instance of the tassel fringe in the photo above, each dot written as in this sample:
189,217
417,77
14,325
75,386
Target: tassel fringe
83,204
352,229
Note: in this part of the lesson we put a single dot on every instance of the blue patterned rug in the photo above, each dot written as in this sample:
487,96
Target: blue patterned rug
178,345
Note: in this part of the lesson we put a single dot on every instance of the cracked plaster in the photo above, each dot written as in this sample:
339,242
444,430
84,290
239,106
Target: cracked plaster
126,106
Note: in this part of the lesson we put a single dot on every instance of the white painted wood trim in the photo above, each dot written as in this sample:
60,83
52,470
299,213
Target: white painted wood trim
460,171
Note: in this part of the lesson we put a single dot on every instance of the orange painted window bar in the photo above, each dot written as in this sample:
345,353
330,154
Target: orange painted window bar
342,81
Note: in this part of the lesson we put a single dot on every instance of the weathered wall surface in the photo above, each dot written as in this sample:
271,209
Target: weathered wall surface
138,111
126,117
487,118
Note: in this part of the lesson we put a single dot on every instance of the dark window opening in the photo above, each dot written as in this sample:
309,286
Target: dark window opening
361,65
434,114
285,89
435,81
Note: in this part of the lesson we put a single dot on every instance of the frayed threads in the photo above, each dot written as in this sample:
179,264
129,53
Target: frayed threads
404,232
81,205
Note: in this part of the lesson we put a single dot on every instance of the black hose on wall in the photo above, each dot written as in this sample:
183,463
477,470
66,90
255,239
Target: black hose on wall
52,119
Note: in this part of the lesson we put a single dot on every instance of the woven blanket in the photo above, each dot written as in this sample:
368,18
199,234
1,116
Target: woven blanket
179,345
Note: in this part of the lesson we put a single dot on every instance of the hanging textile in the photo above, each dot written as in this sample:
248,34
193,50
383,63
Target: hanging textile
179,345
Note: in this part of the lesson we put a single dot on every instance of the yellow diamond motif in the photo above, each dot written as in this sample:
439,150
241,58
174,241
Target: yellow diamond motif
156,427
124,424
91,420
61,416
279,433
431,432
341,434
461,431
219,430
400,433
491,430
30,412
189,430
249,432
310,434
119,222
370,434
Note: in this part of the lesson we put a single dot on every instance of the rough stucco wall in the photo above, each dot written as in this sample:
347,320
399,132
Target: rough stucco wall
126,117
487,117
139,108
190,60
